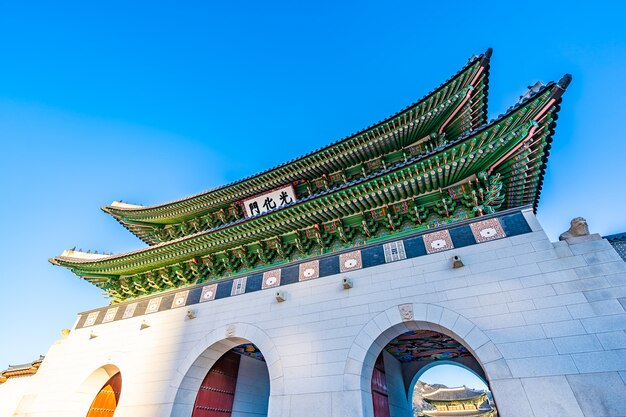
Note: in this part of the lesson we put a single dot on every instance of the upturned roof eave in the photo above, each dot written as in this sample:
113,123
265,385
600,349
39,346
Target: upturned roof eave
483,60
76,263
560,88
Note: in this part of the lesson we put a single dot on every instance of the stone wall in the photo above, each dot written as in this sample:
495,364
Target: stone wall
253,389
399,404
545,320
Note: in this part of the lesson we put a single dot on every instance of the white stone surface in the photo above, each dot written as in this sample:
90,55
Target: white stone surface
399,405
253,389
543,319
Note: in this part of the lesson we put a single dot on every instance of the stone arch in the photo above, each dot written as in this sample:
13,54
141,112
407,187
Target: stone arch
90,387
399,319
203,355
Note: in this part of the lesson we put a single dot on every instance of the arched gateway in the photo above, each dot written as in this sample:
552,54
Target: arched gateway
227,373
107,399
366,357
417,230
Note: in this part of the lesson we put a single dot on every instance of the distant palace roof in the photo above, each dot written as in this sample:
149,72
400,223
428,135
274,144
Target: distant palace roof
434,163
458,402
453,394
460,413
25,369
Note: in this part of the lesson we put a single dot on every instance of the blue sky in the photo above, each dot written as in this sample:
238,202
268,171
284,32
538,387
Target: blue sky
452,376
153,101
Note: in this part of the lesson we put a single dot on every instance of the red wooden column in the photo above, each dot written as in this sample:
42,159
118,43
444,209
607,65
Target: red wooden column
106,400
216,394
380,396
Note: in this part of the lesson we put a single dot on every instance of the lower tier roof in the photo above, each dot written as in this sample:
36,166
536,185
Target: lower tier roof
498,166
445,237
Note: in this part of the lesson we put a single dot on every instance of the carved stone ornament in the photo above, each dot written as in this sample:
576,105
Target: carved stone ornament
406,312
578,227
230,330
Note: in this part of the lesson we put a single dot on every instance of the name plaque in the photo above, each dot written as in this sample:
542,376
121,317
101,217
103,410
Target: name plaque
269,201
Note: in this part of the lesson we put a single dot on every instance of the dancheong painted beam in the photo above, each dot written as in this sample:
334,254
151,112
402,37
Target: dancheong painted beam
435,163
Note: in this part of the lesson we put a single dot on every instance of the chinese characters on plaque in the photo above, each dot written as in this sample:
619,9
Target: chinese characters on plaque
269,201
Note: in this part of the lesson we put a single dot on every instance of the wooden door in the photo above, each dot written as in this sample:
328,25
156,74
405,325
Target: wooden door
216,394
380,395
106,400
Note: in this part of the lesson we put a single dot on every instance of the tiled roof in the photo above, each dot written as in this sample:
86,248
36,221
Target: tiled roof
452,394
146,214
24,369
459,413
68,261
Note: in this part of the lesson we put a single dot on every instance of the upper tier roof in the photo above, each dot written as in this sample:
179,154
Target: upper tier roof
512,150
454,108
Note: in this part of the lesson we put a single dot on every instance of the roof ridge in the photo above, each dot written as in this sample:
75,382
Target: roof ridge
472,60
399,165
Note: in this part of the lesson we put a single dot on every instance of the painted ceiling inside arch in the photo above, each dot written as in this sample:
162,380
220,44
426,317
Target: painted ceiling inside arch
433,163
423,345
250,350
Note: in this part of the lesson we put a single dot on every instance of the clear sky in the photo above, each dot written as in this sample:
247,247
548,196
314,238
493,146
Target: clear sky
452,376
152,101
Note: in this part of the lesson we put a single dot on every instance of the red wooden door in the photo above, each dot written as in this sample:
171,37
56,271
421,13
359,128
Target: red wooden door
106,400
380,397
216,394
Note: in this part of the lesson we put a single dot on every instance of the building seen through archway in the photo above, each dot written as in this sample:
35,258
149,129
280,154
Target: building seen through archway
398,392
450,390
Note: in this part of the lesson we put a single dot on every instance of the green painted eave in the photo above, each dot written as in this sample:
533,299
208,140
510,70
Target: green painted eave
448,165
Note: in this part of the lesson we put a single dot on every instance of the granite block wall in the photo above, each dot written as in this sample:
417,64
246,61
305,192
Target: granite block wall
545,320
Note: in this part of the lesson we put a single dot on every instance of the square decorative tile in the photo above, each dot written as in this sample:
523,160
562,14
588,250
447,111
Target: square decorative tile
309,270
271,279
130,310
394,251
253,283
239,286
208,293
514,224
180,299
462,236
153,305
110,315
224,289
289,274
373,256
91,319
329,266
438,241
350,261
486,230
